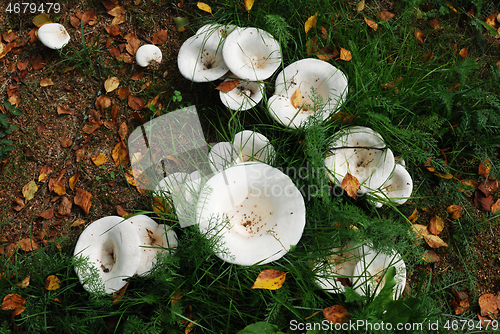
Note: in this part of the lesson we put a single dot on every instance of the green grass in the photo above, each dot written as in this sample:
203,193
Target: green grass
419,121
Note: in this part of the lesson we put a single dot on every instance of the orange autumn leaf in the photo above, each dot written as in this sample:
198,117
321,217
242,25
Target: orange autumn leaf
52,283
160,205
345,54
13,302
227,86
490,20
419,35
455,211
326,53
73,180
496,207
119,295
120,154
59,188
28,245
414,216
436,225
135,102
296,98
324,33
484,167
99,159
463,52
336,314
204,7
160,37
430,256
361,6
249,4
83,199
428,56
46,82
371,24
270,279
44,173
385,16
488,305
310,23
351,185
434,23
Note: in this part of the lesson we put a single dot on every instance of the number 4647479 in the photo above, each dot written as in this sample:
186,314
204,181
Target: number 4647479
32,8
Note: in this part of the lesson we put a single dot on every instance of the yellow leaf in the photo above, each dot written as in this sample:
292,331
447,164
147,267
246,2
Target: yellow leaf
130,179
414,216
160,205
73,179
120,154
59,188
371,24
434,241
296,98
249,4
40,20
29,190
270,279
345,54
361,5
99,159
351,185
111,84
78,222
455,211
496,207
204,7
310,23
444,176
24,283
52,283
46,82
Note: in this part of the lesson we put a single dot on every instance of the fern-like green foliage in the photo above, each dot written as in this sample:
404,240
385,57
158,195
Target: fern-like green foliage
278,27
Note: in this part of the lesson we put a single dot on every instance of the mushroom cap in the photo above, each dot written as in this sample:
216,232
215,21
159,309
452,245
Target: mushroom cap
318,81
53,35
200,57
245,96
397,188
254,211
111,246
148,53
222,30
372,167
154,238
370,273
339,265
221,156
253,146
251,53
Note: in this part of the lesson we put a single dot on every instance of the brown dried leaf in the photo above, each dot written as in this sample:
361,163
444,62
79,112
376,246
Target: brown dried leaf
455,211
420,230
113,30
135,102
91,126
63,111
9,36
28,245
123,132
46,82
436,225
29,190
65,206
103,102
20,204
419,35
75,22
488,187
385,16
326,53
117,11
430,256
38,63
13,302
345,54
83,199
22,65
336,314
47,214
123,93
296,98
228,85
496,207
160,37
461,302
435,23
89,17
78,222
428,56
463,52
114,113
351,185
120,154
483,202
484,168
488,305
372,24
65,141
434,241
44,173
99,159
120,211
133,43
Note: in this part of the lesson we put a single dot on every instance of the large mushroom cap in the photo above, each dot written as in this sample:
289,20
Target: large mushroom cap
112,249
251,53
245,96
370,273
53,35
361,152
254,210
397,188
200,57
318,87
148,53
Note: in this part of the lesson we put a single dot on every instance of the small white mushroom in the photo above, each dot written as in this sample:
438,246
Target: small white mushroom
370,273
361,152
307,87
221,156
397,188
148,53
255,212
245,96
53,35
251,53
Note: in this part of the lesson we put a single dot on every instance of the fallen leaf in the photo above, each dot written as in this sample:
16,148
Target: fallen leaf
117,11
24,283
228,85
310,23
114,113
414,216
351,185
133,43
22,65
420,230
345,54
20,204
490,19
63,111
324,33
419,35
160,37
326,53
65,141
435,23
113,30
130,179
428,56
496,207
89,17
269,279
122,132
73,180
137,75
135,102
385,16
453,9
46,82
103,102
83,199
360,6
65,206
99,159
488,305
28,245
40,19
38,63
29,190
160,205
484,168
110,4
204,7
430,256
488,187
483,202
13,302
296,98
464,52
461,301
59,188
434,241
91,127
47,214
336,314
436,225
455,211
372,24
111,84
392,84
120,154
52,282
78,222
119,295
123,93
120,211
249,4
44,173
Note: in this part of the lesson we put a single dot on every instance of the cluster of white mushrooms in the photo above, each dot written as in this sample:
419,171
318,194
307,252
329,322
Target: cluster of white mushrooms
362,152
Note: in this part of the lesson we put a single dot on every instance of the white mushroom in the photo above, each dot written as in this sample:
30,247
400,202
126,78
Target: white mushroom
200,56
251,54
245,96
254,211
397,188
148,53
221,156
307,87
370,273
53,35
222,30
361,152
116,249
